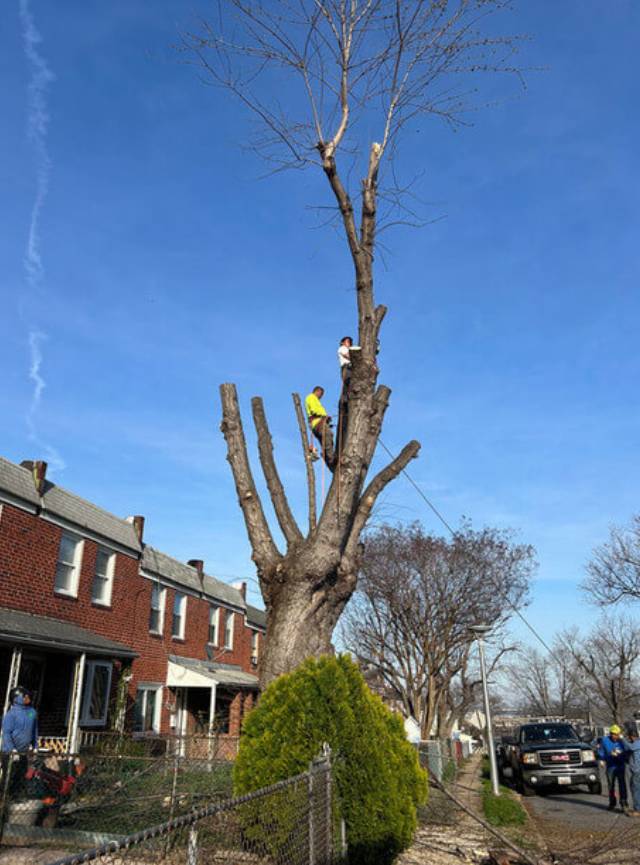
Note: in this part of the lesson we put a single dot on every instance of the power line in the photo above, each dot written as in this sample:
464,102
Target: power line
444,522
500,590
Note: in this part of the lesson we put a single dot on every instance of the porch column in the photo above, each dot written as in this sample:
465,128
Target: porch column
212,718
76,700
12,681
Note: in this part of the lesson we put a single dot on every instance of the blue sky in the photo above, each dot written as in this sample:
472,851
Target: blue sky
170,264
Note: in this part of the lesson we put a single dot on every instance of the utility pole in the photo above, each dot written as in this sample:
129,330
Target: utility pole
480,632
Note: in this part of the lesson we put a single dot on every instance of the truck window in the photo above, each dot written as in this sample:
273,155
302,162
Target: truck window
536,733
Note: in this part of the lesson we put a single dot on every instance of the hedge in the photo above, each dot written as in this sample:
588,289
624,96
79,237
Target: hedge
378,779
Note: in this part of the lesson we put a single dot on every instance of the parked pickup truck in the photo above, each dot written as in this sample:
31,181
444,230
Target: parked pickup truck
551,755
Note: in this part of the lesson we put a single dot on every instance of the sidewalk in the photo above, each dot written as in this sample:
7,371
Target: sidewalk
448,836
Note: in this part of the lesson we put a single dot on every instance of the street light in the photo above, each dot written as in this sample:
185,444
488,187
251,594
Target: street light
479,632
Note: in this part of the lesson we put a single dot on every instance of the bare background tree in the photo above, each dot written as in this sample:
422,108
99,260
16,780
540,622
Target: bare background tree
317,75
546,684
608,661
614,570
417,597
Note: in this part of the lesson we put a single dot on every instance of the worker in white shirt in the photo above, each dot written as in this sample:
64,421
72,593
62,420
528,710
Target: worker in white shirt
344,357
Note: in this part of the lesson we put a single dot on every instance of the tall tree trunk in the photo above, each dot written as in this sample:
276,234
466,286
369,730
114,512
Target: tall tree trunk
306,587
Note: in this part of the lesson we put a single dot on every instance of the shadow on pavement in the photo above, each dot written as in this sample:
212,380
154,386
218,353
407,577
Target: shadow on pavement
586,803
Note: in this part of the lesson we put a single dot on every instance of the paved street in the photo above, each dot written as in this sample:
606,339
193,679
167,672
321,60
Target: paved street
578,809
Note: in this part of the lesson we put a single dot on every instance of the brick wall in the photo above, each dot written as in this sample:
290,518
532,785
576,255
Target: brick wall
28,555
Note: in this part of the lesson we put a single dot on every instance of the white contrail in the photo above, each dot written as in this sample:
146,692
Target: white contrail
37,125
39,384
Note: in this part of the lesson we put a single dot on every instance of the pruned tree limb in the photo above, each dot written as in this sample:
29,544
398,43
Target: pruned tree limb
311,476
285,518
373,490
264,548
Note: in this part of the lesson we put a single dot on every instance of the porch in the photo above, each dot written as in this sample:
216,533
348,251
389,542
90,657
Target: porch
72,673
211,701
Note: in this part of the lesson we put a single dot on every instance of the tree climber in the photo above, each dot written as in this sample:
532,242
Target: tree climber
344,357
320,423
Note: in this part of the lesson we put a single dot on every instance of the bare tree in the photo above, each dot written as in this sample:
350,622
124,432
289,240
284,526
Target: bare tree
546,685
317,75
417,598
614,570
609,660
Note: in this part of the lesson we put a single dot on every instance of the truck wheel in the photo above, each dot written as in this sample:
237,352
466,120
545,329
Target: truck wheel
595,788
523,788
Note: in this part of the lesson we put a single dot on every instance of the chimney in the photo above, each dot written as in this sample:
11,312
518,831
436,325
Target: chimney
38,469
241,586
138,525
198,564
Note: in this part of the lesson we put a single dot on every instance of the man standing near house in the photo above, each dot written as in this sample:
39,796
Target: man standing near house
319,421
20,724
612,753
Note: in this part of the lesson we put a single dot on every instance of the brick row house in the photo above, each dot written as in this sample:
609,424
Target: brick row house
110,633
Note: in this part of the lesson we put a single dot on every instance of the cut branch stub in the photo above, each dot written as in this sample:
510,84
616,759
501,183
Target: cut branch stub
265,552
285,518
311,477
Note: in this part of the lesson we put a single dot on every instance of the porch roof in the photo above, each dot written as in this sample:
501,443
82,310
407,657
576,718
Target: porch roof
27,629
192,673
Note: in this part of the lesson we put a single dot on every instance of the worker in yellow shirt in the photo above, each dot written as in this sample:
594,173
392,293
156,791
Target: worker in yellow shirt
320,423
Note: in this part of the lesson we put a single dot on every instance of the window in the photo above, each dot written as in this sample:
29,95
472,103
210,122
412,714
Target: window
97,688
228,630
146,712
179,613
156,614
68,567
214,624
103,577
254,647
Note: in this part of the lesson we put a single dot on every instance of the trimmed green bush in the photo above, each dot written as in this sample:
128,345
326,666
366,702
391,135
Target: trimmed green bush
378,779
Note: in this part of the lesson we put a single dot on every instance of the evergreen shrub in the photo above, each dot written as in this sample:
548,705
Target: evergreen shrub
378,780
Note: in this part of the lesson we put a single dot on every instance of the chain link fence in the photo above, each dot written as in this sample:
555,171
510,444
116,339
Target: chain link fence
86,799
288,823
146,810
443,757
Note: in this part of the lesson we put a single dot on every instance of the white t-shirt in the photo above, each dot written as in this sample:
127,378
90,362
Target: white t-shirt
343,355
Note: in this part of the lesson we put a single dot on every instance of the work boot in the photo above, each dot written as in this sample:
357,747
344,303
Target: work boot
313,455
612,804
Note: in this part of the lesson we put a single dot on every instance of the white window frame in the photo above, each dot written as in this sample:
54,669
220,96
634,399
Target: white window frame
255,646
161,608
78,542
90,669
107,580
214,622
157,690
183,615
229,617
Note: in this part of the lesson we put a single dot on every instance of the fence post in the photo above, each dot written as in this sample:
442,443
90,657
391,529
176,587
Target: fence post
312,846
343,839
192,847
7,765
328,804
172,804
